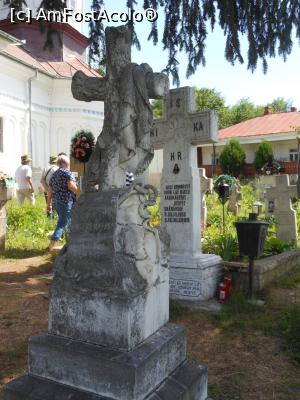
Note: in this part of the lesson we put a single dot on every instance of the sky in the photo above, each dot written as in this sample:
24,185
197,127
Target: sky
233,82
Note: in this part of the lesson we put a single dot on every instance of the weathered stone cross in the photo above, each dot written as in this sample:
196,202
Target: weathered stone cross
192,275
124,143
278,203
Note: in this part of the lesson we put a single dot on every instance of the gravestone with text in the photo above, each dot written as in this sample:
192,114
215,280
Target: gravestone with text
279,204
206,186
193,275
108,336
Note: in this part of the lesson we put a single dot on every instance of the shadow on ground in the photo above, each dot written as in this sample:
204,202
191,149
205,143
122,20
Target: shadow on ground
13,276
21,253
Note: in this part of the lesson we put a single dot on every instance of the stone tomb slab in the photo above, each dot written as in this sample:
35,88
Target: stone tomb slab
194,278
187,382
108,319
111,373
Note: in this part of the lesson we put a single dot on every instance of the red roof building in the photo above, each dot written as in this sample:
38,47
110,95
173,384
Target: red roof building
279,129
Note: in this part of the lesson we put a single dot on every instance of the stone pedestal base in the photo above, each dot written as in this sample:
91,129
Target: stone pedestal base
194,278
60,369
108,319
188,382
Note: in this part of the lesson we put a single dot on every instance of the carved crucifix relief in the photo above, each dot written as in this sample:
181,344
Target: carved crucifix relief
124,143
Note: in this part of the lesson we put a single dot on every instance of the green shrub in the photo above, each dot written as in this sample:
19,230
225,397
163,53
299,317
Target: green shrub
275,246
263,155
232,158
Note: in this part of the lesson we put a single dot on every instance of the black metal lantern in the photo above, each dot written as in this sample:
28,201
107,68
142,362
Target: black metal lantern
251,237
223,191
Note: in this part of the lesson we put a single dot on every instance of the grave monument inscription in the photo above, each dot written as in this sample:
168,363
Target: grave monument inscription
193,275
109,336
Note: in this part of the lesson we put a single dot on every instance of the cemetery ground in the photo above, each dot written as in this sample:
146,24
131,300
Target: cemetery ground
252,352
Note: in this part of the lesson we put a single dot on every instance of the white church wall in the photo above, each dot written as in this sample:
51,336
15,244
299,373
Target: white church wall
55,115
14,113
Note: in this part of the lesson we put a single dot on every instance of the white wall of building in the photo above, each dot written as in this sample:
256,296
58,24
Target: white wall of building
56,115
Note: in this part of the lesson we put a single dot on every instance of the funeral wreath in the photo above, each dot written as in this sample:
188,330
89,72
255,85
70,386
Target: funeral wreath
82,145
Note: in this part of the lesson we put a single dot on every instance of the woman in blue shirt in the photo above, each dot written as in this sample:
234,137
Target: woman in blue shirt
61,197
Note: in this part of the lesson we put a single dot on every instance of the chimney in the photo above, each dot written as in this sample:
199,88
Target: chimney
267,111
293,109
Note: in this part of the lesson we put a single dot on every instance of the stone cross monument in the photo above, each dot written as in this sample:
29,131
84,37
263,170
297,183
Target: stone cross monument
279,204
193,276
109,336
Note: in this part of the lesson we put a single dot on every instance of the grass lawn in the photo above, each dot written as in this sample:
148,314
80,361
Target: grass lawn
28,229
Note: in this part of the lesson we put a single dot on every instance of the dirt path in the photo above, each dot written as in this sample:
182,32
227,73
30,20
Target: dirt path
23,311
241,367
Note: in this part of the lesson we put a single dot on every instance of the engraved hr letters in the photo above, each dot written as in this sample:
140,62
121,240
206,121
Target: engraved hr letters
172,156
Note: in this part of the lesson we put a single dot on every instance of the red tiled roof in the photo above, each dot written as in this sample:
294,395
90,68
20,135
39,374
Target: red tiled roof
265,125
64,69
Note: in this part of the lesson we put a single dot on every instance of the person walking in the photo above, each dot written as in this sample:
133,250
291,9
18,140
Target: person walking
61,197
47,174
23,177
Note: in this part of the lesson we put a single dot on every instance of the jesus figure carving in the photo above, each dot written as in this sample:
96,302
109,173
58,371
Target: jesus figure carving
124,143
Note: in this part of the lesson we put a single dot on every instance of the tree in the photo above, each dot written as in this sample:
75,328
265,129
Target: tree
280,104
157,108
268,26
244,110
263,155
232,158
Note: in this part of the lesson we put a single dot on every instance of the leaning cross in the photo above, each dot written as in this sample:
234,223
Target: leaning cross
178,133
278,203
124,143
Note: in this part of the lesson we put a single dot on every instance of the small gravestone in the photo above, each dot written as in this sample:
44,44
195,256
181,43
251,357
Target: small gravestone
206,186
193,275
279,204
109,336
234,198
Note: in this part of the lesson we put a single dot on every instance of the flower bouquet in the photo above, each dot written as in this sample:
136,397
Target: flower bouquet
82,145
6,180
6,188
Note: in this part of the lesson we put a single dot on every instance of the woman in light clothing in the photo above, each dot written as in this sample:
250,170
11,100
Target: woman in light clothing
61,196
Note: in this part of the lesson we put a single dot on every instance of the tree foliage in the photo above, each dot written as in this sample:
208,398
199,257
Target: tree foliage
280,104
211,99
267,24
244,110
157,108
263,155
232,158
